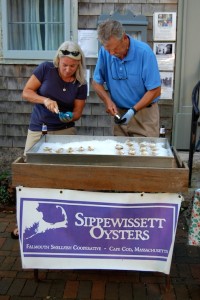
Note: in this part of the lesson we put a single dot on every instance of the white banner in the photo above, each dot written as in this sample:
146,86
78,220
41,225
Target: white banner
65,229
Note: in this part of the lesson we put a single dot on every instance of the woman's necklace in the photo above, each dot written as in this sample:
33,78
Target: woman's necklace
64,88
71,80
67,83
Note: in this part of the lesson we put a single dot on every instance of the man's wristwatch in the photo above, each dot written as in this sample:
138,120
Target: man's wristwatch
135,111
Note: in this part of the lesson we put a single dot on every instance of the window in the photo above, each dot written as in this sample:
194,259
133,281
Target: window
33,29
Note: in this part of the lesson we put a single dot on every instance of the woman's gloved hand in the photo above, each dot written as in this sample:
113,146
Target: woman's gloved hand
65,117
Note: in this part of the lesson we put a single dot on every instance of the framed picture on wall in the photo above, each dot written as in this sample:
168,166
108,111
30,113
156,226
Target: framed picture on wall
164,26
165,54
167,79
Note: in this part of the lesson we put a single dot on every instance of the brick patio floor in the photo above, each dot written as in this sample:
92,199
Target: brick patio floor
18,284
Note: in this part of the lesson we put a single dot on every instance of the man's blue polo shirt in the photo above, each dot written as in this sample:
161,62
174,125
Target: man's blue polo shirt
128,79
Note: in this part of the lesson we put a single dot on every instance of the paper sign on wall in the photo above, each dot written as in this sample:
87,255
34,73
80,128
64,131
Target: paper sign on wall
87,40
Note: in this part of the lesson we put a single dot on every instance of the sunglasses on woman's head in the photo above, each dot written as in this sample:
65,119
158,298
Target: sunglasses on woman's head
66,52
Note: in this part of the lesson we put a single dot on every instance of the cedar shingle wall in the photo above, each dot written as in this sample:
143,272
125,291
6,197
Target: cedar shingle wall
15,113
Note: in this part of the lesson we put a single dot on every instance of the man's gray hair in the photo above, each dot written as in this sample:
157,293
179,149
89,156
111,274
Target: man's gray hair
108,29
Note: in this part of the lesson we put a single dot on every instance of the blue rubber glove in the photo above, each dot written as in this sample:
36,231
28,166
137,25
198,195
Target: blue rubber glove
127,116
66,117
117,119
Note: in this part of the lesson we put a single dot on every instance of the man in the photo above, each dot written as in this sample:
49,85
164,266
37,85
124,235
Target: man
130,71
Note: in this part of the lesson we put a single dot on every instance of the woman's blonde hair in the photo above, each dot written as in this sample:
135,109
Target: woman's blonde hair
72,47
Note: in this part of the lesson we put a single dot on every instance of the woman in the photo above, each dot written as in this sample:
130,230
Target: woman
59,90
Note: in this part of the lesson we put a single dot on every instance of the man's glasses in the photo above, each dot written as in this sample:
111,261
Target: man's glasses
118,72
66,52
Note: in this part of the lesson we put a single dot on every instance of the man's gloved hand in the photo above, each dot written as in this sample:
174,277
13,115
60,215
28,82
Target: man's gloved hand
66,117
117,119
126,117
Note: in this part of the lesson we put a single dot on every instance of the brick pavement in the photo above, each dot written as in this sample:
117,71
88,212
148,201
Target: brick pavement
18,284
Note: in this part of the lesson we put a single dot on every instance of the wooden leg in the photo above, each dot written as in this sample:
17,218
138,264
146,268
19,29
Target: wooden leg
36,275
167,282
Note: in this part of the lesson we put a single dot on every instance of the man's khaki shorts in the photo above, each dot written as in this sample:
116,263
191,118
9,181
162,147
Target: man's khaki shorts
145,122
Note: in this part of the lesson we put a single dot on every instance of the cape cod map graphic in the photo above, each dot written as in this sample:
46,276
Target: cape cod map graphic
44,219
